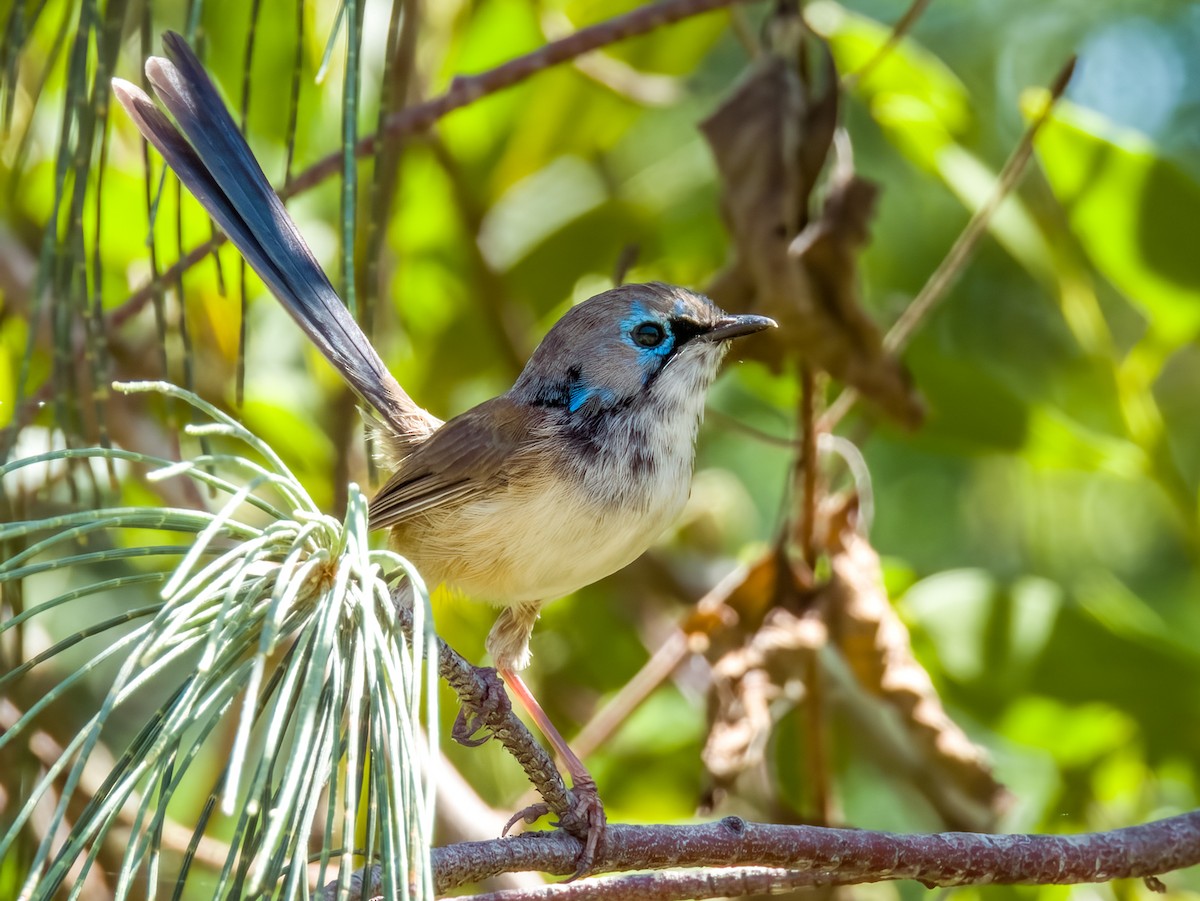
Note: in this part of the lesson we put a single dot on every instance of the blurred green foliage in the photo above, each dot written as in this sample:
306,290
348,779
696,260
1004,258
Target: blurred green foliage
1040,532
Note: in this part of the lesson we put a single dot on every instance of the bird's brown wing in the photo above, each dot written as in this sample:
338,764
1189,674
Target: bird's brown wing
460,460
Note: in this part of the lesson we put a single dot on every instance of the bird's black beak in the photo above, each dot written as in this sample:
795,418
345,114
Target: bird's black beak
729,327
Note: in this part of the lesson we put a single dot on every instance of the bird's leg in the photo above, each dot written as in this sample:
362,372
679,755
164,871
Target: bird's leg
508,643
588,805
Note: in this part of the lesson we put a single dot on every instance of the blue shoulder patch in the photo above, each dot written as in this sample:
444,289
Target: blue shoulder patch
580,393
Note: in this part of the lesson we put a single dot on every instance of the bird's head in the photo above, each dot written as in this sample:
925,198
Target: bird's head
632,343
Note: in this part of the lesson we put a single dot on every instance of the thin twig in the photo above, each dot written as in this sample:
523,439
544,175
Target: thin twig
655,671
645,88
955,261
600,728
466,89
899,30
941,280
609,718
756,433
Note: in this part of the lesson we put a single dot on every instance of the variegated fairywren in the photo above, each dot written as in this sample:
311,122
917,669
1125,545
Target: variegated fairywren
563,479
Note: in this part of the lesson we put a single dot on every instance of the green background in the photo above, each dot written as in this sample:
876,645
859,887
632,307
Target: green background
1039,534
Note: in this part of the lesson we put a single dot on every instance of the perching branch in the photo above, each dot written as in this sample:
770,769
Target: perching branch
725,883
833,856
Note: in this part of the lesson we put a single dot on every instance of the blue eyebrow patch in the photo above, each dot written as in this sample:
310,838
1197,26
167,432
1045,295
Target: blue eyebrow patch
638,315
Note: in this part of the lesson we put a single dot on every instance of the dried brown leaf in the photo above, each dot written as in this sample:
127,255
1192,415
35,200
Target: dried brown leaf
747,680
759,632
878,648
738,603
770,139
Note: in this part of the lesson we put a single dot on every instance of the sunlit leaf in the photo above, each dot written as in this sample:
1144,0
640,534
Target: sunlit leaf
1130,208
908,70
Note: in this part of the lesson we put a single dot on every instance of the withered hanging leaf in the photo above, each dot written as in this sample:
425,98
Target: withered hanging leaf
735,608
759,657
747,680
878,649
770,140
757,650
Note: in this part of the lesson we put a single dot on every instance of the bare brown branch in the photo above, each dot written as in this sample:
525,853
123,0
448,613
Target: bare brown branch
727,883
845,856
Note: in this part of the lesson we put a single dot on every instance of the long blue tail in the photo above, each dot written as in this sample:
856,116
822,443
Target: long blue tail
219,168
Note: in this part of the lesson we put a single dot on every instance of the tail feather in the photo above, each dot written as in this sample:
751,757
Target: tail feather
219,168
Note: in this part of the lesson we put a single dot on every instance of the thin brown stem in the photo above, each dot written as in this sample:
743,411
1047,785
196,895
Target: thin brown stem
756,433
645,88
950,268
654,673
955,261
466,89
899,30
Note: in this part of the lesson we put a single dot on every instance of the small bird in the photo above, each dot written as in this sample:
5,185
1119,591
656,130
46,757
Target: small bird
562,480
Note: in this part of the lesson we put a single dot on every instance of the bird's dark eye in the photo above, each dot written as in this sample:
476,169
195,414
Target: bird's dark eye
648,334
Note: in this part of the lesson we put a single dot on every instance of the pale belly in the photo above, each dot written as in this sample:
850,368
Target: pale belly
535,544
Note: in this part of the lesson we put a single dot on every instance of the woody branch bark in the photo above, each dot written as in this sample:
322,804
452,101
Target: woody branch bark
821,856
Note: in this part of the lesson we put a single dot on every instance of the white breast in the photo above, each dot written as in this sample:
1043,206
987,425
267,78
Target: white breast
540,540
583,514
558,530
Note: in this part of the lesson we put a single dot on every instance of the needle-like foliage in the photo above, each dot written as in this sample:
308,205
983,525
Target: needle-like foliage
276,629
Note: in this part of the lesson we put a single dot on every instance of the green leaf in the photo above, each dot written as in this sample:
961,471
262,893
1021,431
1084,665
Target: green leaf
908,70
1075,736
1134,212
